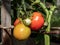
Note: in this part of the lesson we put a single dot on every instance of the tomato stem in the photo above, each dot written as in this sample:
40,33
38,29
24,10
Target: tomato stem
47,37
45,9
48,20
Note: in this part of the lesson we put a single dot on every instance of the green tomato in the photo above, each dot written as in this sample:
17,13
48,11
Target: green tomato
27,21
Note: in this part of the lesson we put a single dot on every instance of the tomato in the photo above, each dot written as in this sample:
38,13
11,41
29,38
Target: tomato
37,21
16,22
21,32
27,21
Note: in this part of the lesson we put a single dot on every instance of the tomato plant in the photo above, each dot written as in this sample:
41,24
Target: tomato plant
26,7
37,21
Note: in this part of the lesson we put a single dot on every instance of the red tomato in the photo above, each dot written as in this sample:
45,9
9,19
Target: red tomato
16,22
37,21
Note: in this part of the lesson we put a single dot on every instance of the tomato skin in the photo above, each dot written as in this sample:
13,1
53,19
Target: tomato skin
37,21
16,22
21,32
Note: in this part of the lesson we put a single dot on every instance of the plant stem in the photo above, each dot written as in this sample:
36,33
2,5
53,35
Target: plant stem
45,9
48,19
47,37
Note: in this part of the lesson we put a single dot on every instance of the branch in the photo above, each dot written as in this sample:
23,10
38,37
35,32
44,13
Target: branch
46,11
52,8
44,7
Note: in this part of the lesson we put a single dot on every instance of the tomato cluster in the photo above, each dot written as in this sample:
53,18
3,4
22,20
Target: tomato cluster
23,30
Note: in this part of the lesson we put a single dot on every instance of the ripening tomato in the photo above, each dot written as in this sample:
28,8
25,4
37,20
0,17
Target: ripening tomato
37,21
16,22
21,32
